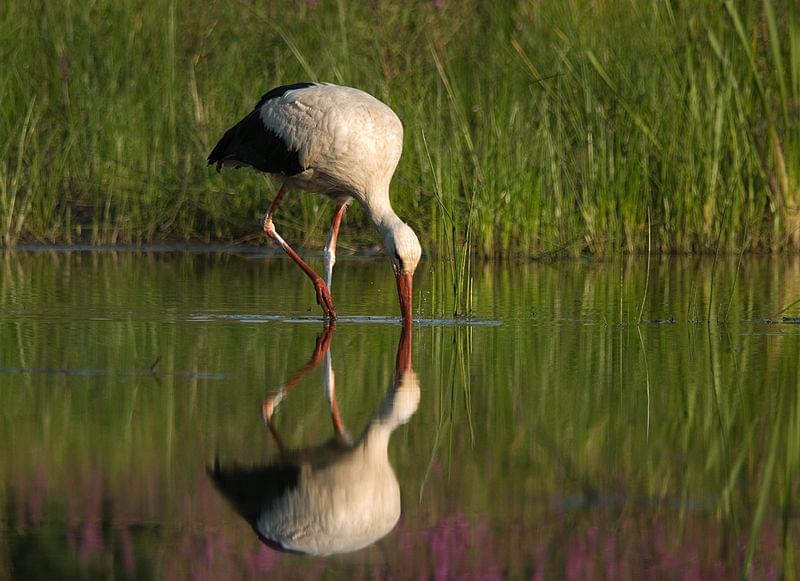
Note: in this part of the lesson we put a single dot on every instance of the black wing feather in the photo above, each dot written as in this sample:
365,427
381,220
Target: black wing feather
251,490
250,143
280,91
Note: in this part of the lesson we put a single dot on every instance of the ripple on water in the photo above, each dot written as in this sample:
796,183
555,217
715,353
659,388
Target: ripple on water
376,320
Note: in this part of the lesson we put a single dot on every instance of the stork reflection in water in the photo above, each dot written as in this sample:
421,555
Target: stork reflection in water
340,496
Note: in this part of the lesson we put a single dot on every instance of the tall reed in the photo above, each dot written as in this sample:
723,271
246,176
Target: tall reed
531,128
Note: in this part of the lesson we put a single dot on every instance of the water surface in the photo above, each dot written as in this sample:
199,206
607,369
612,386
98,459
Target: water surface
588,420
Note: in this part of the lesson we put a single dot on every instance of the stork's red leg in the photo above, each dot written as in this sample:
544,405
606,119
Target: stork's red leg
324,298
329,253
321,348
329,383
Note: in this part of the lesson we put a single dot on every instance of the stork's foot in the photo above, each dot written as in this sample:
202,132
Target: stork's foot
324,299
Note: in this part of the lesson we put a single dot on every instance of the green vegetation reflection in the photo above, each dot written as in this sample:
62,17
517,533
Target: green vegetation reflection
569,438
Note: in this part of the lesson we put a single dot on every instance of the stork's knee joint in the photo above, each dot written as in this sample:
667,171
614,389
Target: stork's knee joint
269,227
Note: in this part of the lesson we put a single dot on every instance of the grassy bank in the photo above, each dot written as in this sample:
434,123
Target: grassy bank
530,128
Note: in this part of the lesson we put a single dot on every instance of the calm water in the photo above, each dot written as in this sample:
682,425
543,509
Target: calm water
551,436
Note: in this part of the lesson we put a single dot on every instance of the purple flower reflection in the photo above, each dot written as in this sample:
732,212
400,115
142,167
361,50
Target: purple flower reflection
91,538
449,544
128,560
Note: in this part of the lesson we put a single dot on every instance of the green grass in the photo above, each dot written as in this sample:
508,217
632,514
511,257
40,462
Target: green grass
531,128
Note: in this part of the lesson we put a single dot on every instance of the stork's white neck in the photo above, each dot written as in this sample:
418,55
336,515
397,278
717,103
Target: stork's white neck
380,211
401,243
374,442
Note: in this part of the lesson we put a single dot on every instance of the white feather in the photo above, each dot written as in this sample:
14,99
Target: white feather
350,141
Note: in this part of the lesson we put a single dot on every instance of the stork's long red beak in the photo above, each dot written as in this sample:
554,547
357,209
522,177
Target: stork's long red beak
405,286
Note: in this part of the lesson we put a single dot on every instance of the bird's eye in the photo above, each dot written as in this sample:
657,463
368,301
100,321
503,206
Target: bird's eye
399,260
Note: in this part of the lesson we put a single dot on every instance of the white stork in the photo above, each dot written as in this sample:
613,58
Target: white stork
336,497
337,141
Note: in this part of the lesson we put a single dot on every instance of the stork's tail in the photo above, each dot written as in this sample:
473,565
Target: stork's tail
221,151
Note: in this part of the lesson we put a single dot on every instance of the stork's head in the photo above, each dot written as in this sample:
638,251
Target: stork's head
404,251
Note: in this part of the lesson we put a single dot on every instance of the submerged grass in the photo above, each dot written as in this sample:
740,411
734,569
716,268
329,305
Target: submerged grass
531,128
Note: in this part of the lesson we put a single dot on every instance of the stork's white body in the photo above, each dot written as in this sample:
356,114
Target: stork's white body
350,142
340,509
337,141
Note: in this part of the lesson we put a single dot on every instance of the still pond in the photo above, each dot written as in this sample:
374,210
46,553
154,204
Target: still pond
590,419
